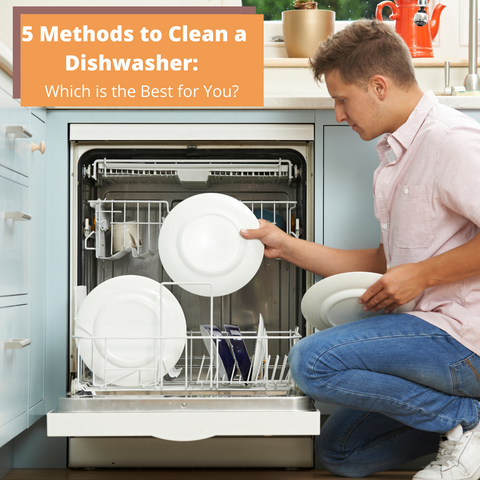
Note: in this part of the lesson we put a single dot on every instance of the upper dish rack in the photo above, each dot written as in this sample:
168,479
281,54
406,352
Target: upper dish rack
191,173
133,226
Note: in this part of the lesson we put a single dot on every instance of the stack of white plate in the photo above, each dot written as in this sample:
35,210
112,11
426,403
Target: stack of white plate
334,300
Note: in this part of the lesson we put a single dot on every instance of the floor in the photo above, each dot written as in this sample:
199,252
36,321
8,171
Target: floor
194,474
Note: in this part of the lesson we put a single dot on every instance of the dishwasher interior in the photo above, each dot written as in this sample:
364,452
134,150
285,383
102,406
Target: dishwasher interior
131,187
120,188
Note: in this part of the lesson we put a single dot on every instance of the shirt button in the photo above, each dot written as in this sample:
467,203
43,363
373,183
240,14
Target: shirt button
384,226
405,191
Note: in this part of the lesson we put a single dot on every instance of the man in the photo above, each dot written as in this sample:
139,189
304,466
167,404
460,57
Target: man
399,380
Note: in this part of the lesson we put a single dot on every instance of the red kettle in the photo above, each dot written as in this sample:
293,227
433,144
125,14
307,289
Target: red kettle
418,39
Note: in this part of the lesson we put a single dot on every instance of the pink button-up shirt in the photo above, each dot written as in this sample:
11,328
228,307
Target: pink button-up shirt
427,200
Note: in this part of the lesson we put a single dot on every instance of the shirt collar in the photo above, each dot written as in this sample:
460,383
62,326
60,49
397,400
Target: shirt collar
404,136
407,132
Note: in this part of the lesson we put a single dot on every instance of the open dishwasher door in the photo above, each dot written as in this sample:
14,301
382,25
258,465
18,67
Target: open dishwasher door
132,182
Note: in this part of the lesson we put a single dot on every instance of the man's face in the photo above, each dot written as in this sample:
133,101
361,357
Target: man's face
356,106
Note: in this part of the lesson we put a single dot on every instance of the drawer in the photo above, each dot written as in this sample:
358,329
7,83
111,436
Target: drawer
15,141
13,363
13,234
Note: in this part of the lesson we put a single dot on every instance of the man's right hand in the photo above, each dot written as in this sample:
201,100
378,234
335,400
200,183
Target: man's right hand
271,236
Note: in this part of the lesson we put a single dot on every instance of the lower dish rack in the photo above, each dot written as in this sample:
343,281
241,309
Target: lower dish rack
195,405
194,400
194,374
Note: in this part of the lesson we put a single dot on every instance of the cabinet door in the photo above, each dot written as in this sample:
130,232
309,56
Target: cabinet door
15,142
37,283
13,371
13,233
349,221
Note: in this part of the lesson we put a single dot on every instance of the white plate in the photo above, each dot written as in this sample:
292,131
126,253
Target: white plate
200,242
334,300
260,349
127,310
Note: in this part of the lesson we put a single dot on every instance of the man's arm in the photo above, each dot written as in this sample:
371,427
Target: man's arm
323,261
404,283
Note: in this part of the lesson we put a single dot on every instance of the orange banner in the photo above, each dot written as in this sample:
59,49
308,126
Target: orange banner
118,60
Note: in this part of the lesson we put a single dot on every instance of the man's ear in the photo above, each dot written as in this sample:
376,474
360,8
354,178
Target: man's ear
379,86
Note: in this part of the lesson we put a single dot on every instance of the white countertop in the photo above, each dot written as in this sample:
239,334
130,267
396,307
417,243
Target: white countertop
326,103
289,83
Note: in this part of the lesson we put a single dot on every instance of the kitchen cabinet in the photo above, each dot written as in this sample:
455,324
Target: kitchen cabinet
14,135
22,265
349,163
14,229
13,370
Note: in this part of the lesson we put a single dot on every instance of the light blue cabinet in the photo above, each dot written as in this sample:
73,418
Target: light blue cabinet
14,231
349,163
14,370
22,267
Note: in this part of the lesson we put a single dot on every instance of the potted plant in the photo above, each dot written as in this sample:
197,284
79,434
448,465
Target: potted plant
305,27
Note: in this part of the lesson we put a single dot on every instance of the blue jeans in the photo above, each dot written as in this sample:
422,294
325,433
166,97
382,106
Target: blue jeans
398,382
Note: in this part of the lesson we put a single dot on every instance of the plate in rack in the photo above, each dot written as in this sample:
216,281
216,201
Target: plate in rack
120,323
260,349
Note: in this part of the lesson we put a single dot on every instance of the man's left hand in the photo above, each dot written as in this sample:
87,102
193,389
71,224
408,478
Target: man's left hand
399,285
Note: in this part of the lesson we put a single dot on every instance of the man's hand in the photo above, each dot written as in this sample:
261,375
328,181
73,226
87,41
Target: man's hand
399,285
271,236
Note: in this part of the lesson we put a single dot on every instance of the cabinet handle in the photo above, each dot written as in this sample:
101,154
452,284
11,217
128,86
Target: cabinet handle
17,216
40,147
18,131
15,343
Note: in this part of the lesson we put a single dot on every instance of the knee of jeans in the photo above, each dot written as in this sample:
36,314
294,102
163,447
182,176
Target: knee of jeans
337,462
296,362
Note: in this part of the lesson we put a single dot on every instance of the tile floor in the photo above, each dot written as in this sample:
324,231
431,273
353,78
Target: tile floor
191,474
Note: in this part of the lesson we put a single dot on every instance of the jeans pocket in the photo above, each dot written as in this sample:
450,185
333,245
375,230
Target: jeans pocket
466,376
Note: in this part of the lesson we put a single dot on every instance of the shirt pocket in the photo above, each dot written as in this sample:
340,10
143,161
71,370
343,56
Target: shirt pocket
411,217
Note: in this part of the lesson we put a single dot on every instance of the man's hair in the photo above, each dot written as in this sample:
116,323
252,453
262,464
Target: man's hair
363,49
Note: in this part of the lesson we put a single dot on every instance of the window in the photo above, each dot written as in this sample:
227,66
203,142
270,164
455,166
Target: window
344,9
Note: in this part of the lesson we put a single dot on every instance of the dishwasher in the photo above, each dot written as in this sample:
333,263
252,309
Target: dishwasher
125,182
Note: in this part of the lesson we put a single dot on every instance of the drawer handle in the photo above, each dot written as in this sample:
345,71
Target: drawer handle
18,131
15,343
40,147
17,216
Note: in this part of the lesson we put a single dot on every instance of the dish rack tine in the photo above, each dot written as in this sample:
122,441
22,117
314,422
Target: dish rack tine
249,376
267,364
275,368
284,365
200,369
